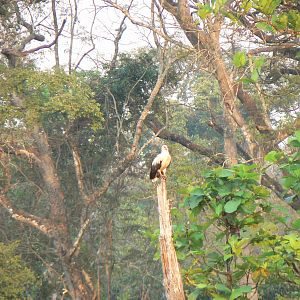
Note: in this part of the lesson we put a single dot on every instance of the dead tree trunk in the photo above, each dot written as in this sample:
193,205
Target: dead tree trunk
171,272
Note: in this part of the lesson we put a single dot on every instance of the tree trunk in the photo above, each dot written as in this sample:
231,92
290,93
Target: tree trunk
171,272
108,255
230,147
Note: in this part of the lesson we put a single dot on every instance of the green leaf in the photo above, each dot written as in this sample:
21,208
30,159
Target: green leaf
197,191
224,190
280,22
240,291
261,191
297,135
194,294
273,156
232,205
296,224
201,285
288,182
222,173
264,26
267,6
246,5
239,59
204,11
227,256
219,209
194,201
294,143
223,288
197,236
259,62
246,80
254,75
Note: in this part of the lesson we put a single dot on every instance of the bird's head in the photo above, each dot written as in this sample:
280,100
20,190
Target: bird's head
164,148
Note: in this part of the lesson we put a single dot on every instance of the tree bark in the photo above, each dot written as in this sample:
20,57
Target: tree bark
171,272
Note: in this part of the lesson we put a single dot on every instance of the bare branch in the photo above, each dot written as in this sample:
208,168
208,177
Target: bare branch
29,27
74,19
55,23
120,32
47,45
273,48
78,170
76,244
91,38
143,24
165,134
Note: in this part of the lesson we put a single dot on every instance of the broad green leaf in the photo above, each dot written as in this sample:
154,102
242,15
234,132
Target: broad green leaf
259,62
193,201
224,172
267,6
296,224
219,209
264,26
224,190
261,191
239,59
294,143
219,4
223,288
273,156
297,135
197,236
227,256
197,191
240,291
232,205
201,285
204,11
280,22
246,5
246,80
294,19
289,181
254,75
193,295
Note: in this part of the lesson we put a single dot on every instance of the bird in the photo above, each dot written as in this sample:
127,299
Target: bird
160,163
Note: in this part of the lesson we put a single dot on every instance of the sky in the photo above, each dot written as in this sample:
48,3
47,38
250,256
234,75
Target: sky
106,23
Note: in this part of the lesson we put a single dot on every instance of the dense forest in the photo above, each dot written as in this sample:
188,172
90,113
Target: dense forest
91,90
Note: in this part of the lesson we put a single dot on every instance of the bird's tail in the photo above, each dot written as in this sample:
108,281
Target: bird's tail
153,174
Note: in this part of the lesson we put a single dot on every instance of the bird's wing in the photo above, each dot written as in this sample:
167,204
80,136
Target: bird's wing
166,160
155,166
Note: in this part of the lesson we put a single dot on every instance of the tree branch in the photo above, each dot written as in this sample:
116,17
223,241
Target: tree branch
47,45
165,134
76,244
138,131
42,225
273,48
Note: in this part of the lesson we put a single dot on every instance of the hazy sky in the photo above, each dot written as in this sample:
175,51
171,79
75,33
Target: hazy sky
107,22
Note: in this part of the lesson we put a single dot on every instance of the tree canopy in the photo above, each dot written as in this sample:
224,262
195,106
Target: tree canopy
90,90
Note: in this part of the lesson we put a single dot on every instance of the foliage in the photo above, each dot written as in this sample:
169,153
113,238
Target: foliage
273,15
290,166
229,214
15,276
45,95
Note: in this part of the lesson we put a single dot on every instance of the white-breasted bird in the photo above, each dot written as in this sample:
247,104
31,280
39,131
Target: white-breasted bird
160,164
